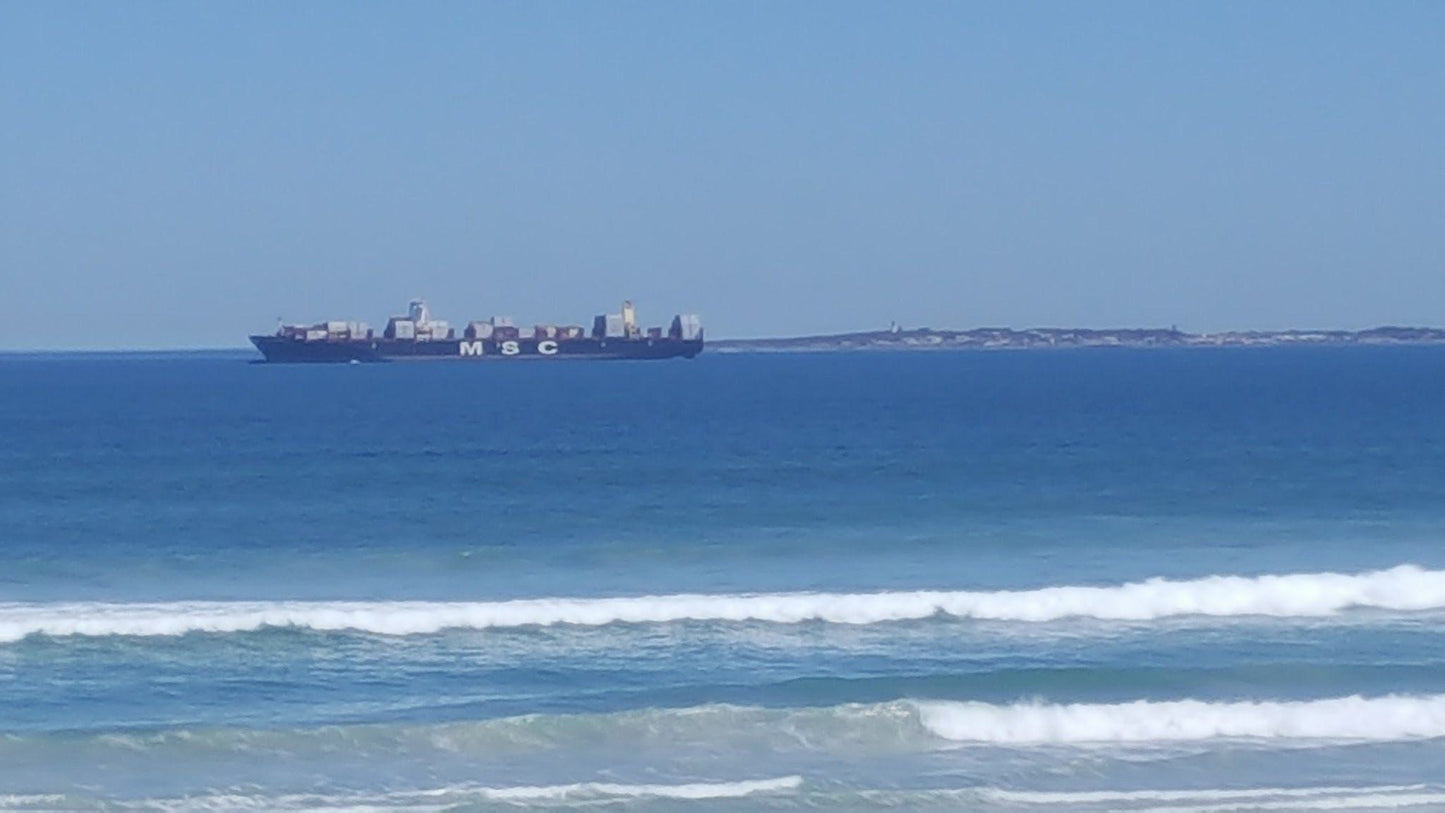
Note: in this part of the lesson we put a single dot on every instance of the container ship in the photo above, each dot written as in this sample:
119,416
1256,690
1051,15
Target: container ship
417,336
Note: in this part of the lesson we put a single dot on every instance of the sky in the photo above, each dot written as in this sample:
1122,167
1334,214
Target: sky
183,174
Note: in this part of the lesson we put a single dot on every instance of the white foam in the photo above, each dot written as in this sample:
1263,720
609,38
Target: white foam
588,794
1403,588
1188,795
30,800
1364,801
435,799
1343,718
696,790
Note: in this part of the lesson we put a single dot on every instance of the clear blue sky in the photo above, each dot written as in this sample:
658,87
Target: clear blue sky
180,174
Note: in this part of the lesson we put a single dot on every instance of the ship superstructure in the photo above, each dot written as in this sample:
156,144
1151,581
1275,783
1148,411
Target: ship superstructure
416,335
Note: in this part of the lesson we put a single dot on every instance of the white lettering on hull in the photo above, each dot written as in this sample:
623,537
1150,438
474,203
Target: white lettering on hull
477,349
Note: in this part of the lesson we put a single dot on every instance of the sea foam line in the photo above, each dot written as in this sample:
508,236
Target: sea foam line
436,799
1194,800
694,790
1403,588
1364,801
1040,797
1354,718
910,724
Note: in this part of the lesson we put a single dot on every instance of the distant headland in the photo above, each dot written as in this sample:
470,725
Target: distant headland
1001,338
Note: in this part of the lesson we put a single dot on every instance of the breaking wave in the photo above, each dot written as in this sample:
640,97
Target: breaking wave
898,726
433,799
1342,718
1036,797
1221,800
782,793
695,790
1403,588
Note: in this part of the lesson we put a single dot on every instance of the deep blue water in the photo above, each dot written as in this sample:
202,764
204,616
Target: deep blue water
236,586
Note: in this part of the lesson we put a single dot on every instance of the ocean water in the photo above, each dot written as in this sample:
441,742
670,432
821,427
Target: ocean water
1188,580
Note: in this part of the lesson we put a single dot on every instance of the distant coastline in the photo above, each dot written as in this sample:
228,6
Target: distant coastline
998,338
913,339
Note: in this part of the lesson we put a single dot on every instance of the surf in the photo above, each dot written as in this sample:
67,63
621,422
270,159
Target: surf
1406,588
910,724
429,800
1354,718
784,791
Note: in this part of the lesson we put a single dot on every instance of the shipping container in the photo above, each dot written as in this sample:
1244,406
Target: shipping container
415,335
686,326
401,329
616,327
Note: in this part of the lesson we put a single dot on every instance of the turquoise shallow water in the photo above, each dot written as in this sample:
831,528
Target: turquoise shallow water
1187,580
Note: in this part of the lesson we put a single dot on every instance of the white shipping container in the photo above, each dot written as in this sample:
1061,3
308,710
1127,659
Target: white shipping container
315,335
691,325
615,325
335,327
404,329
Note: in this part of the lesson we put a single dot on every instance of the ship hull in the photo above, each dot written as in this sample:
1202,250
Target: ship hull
287,350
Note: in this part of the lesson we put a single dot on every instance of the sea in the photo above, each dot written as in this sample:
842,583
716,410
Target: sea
1186,580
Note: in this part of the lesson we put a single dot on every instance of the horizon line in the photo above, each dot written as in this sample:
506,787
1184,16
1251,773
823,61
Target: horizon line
239,348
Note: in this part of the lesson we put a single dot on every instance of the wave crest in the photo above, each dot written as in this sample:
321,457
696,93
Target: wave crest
1222,800
693,790
1403,588
426,800
896,726
1343,718
833,796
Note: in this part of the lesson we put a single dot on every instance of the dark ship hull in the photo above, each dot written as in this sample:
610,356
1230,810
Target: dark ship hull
288,349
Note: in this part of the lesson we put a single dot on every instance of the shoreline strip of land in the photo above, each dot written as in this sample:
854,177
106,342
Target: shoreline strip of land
1001,338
